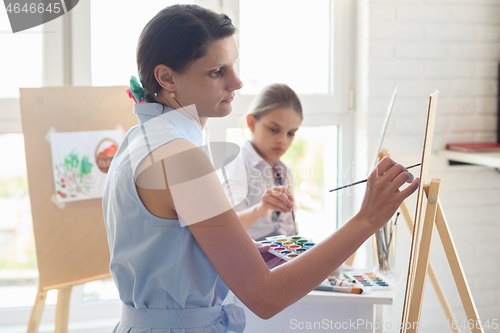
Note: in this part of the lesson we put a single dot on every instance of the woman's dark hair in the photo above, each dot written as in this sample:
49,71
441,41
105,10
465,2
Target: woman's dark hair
175,37
274,96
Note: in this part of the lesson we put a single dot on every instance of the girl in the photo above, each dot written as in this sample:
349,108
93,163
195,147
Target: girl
273,121
168,220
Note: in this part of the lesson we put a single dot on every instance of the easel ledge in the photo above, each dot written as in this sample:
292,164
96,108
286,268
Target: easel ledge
77,282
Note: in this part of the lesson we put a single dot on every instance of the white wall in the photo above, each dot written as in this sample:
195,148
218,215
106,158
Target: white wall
452,46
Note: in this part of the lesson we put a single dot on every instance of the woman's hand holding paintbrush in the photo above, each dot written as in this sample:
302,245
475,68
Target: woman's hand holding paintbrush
382,195
365,180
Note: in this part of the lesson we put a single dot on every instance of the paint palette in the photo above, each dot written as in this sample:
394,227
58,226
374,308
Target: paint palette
369,281
288,247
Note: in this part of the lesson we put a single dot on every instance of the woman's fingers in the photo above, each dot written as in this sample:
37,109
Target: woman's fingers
411,188
396,174
402,178
394,171
382,195
382,167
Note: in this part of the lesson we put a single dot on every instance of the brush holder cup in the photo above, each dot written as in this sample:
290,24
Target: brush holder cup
384,249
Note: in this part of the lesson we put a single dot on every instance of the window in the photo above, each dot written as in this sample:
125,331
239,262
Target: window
20,60
268,55
313,159
18,270
118,41
20,66
289,42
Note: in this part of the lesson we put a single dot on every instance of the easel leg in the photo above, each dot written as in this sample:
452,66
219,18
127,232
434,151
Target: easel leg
37,311
457,271
442,298
62,309
415,304
432,275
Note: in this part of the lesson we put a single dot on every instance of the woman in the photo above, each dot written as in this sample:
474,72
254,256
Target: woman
176,243
273,120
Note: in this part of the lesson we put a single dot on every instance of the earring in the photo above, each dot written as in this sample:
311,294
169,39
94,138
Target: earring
172,94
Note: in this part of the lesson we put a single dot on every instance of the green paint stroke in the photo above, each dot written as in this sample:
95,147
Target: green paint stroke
72,163
86,167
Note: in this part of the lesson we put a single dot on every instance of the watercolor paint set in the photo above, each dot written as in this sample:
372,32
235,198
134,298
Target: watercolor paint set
288,247
369,281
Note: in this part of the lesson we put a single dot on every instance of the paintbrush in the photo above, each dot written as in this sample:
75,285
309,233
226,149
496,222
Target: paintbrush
393,226
293,215
349,290
392,234
365,180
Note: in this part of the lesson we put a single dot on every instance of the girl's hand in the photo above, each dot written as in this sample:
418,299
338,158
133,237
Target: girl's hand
270,259
279,198
382,196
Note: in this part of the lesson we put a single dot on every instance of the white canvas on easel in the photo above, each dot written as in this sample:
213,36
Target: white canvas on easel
384,128
388,113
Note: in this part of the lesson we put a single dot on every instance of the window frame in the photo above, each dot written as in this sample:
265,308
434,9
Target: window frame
332,109
67,61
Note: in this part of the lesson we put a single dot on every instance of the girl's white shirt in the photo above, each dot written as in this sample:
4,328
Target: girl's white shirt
259,178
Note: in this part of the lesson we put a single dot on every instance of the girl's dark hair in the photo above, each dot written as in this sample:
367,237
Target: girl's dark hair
175,37
274,96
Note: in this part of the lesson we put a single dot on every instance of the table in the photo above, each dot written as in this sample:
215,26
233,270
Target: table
327,311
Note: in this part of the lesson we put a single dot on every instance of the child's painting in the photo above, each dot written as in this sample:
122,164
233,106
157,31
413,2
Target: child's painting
80,162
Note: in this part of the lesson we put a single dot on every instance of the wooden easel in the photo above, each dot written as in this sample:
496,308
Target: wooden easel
71,243
62,308
422,235
421,242
434,216
451,254
430,270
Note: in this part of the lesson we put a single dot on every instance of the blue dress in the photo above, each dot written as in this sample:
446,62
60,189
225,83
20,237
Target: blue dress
165,281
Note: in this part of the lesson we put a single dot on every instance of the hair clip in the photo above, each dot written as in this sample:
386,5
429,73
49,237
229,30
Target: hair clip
136,91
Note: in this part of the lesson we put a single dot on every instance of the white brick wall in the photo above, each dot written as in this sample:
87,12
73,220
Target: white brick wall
452,46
